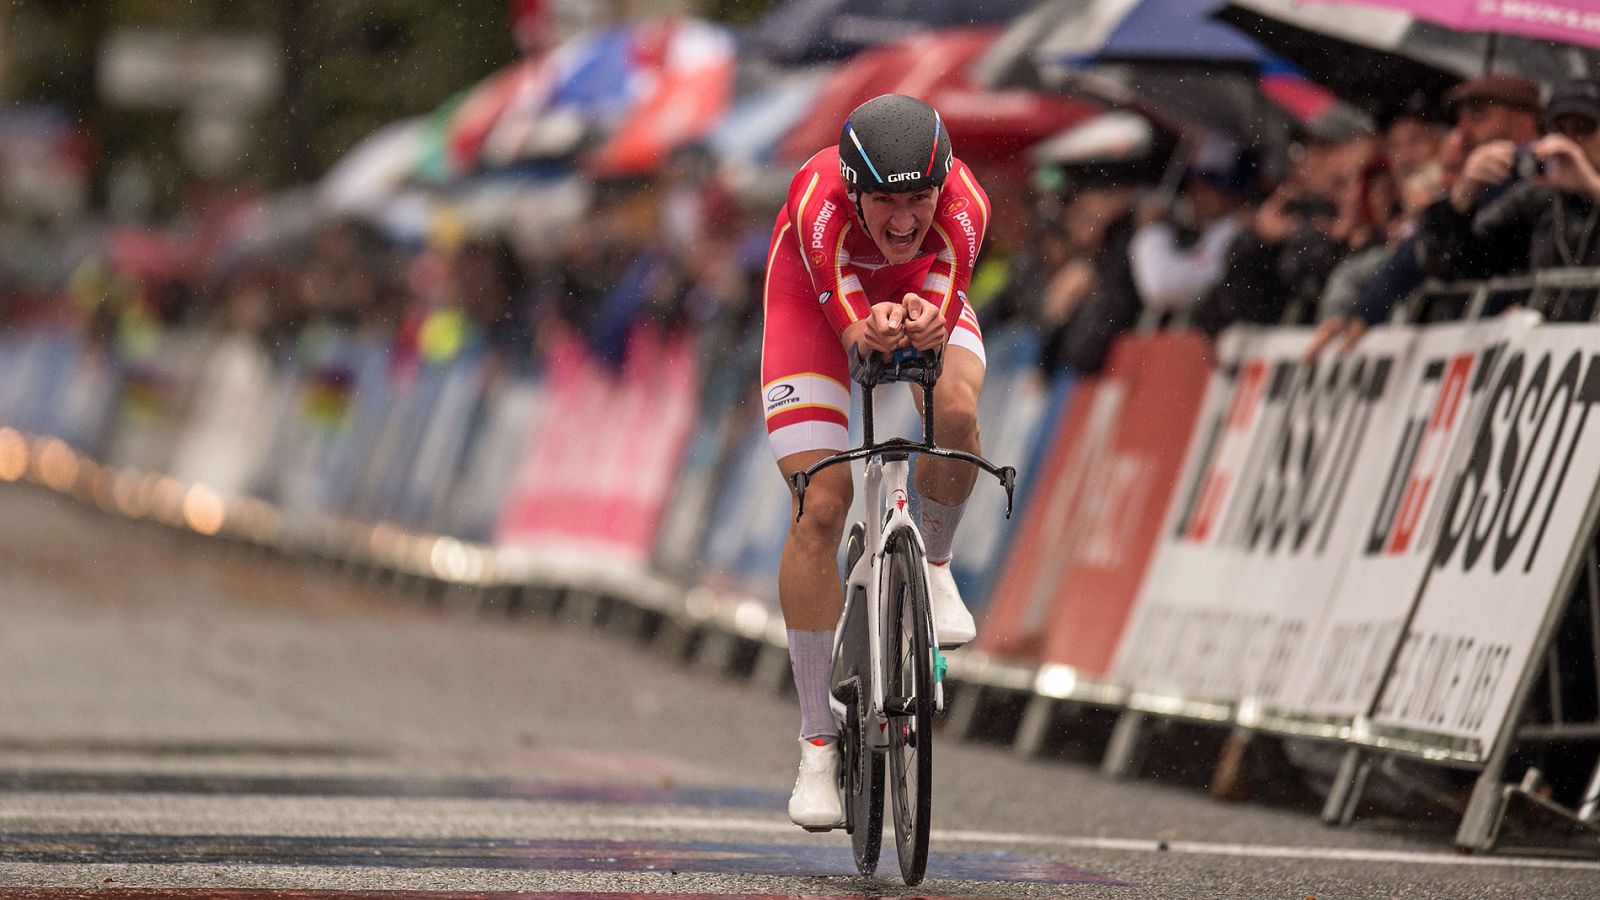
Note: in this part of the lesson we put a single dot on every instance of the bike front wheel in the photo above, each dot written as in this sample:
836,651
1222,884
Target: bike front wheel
908,701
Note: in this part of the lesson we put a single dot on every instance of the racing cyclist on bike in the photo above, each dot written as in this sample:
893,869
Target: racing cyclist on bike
875,247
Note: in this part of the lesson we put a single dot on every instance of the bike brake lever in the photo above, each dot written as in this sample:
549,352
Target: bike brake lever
1008,480
799,480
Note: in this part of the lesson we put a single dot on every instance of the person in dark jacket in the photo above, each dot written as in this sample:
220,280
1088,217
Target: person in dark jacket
1547,219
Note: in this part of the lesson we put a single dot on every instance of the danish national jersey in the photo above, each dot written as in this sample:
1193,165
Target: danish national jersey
848,272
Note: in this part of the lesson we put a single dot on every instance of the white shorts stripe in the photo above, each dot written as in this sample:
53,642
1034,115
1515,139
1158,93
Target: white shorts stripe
803,436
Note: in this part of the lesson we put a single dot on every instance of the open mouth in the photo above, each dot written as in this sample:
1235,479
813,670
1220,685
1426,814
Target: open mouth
901,241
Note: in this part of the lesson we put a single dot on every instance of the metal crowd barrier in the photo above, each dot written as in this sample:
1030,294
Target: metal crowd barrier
408,484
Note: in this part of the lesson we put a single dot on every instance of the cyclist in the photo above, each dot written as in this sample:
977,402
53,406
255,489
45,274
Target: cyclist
875,247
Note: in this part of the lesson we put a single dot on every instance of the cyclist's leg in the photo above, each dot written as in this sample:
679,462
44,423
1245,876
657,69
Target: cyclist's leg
804,391
942,484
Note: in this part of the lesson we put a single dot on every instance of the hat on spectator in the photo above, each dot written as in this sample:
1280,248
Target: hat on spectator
1507,90
1574,98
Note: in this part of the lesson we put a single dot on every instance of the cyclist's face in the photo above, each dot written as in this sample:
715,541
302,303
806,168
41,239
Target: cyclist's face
898,222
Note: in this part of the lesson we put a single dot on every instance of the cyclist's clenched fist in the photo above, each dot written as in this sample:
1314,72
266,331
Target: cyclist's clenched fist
884,330
924,323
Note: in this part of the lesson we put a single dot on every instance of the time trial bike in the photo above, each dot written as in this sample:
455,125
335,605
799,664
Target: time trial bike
888,671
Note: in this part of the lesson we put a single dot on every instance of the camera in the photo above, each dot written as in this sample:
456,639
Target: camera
1525,165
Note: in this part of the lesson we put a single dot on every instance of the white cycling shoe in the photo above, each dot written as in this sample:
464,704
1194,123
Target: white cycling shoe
816,804
951,620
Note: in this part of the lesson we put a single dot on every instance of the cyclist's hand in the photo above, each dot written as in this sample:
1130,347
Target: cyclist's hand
924,323
885,329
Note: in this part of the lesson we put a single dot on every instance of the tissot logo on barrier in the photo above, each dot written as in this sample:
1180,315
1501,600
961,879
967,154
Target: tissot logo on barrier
1309,455
1225,454
1429,432
1520,460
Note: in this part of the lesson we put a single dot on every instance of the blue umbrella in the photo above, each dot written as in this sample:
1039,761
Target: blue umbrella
1150,31
801,31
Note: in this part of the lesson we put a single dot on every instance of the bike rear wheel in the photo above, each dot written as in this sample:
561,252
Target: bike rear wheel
908,700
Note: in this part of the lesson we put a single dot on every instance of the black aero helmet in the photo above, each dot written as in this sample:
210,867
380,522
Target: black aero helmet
894,144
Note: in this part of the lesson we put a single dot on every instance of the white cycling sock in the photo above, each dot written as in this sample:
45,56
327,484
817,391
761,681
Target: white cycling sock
811,657
937,523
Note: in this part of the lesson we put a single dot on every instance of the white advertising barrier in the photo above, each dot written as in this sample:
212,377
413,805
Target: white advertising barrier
1392,515
1173,631
1286,520
1521,501
226,437
515,415
438,461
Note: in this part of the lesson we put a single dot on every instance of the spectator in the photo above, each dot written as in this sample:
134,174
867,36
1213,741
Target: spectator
1180,250
1496,114
1412,137
1547,218
1278,266
1091,299
1374,209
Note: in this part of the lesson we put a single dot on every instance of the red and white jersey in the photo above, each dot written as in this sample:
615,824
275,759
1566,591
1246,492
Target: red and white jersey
849,273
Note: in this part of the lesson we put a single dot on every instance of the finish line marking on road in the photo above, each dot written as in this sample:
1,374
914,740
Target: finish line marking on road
1142,845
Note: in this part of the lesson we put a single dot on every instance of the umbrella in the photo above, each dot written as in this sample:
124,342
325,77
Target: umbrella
1118,146
801,31
1377,58
375,168
686,69
1160,57
1570,22
984,123
1149,31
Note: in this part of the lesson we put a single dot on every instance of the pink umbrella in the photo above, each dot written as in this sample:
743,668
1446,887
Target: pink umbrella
1568,21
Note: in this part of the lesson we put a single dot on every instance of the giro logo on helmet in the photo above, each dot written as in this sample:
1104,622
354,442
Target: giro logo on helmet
847,173
902,176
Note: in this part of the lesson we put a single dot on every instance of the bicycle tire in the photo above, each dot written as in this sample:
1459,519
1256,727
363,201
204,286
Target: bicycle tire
861,767
908,698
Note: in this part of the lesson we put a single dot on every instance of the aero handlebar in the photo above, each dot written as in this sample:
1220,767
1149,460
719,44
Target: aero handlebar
906,364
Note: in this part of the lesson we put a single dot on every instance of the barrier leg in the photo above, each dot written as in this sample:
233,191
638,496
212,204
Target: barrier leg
1348,785
1038,721
1481,822
1589,807
963,710
1228,778
1125,754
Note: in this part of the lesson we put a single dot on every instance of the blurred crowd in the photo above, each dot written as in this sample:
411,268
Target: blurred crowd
1494,181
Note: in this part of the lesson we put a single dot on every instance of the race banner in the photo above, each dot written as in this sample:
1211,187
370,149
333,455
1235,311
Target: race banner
1019,610
515,412
1109,548
1520,502
1391,519
594,483
1176,640
749,523
1290,522
1016,401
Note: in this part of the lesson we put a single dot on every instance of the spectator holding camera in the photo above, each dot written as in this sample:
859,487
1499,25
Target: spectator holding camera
1180,249
1523,203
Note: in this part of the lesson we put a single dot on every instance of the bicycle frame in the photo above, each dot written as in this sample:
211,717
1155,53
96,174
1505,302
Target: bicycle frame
888,496
887,490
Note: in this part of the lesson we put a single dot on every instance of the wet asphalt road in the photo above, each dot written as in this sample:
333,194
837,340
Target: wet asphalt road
176,713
